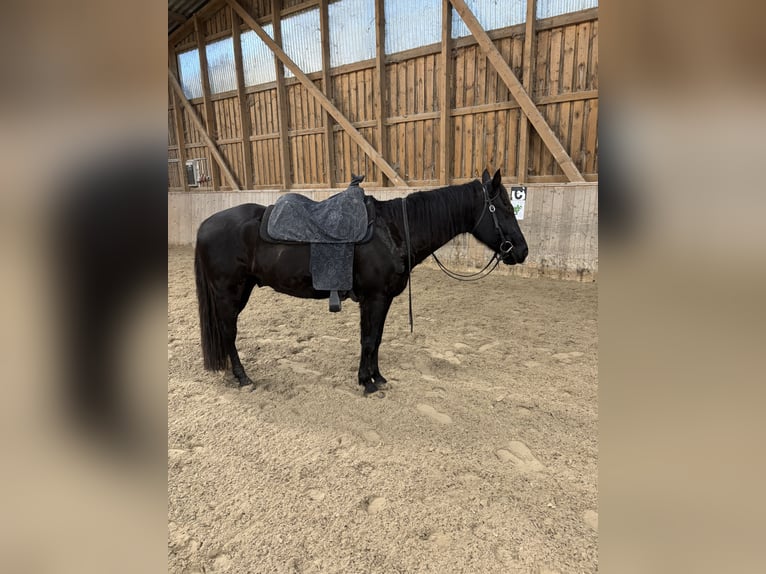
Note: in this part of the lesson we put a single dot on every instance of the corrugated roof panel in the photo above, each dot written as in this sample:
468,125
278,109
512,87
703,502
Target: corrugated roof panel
352,31
257,58
411,25
548,8
220,65
302,41
491,14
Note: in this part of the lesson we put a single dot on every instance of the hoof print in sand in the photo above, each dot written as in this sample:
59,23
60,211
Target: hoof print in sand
433,414
375,505
591,519
520,456
371,436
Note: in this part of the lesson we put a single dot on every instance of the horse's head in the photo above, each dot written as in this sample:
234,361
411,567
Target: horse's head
496,225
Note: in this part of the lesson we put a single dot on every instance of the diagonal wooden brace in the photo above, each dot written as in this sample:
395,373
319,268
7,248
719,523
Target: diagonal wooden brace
519,93
198,124
326,104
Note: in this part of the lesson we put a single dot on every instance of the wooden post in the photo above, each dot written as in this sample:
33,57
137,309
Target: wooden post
179,122
208,104
211,145
446,138
326,104
380,76
329,149
284,143
529,62
244,111
519,93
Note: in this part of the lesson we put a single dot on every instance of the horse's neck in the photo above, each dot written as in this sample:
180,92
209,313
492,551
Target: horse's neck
438,216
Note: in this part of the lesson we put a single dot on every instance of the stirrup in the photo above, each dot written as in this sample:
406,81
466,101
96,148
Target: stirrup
334,302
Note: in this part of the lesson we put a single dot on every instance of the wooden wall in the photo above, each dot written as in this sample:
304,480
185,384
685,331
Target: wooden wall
484,118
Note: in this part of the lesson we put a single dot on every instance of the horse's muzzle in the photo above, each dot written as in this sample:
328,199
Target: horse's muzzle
515,255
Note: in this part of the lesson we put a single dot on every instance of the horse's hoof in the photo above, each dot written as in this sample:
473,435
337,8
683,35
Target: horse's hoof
370,388
245,381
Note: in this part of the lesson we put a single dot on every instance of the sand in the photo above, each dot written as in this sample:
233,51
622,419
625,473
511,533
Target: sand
480,458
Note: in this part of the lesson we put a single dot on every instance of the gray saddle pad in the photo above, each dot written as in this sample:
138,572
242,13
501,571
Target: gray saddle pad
341,218
332,227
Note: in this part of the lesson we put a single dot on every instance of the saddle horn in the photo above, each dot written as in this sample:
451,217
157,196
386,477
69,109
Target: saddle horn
356,179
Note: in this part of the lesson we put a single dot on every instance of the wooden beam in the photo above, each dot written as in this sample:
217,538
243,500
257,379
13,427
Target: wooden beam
176,17
380,77
216,153
284,143
179,123
329,148
244,111
320,97
185,29
445,95
518,92
207,103
529,62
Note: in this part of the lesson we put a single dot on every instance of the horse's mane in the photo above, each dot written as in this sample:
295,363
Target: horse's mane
439,207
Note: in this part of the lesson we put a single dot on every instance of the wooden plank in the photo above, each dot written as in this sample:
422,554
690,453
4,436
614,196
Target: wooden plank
489,140
522,169
321,98
244,109
501,154
210,123
211,145
282,106
479,147
518,92
593,63
581,61
554,70
591,137
329,142
299,7
567,66
481,79
179,125
472,54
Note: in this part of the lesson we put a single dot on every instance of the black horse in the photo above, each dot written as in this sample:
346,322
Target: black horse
231,259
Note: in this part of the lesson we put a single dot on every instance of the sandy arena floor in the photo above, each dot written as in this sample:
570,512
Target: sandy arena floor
481,458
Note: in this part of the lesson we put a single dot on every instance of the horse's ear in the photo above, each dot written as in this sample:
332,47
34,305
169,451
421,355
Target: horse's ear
485,176
496,179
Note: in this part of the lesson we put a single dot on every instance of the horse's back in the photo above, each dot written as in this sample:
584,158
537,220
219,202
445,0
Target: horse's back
221,226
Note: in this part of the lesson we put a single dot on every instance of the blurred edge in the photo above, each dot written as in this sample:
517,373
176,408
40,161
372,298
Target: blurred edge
682,277
82,151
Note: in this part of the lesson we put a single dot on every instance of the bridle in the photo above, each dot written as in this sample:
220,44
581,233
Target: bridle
505,244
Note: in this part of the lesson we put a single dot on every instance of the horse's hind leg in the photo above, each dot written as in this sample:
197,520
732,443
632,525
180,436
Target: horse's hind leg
230,313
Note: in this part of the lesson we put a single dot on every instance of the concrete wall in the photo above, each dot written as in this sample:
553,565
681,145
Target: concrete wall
560,225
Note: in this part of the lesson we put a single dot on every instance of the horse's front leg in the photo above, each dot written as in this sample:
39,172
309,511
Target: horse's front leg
373,312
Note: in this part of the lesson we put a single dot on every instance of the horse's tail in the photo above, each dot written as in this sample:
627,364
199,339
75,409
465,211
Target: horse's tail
214,351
